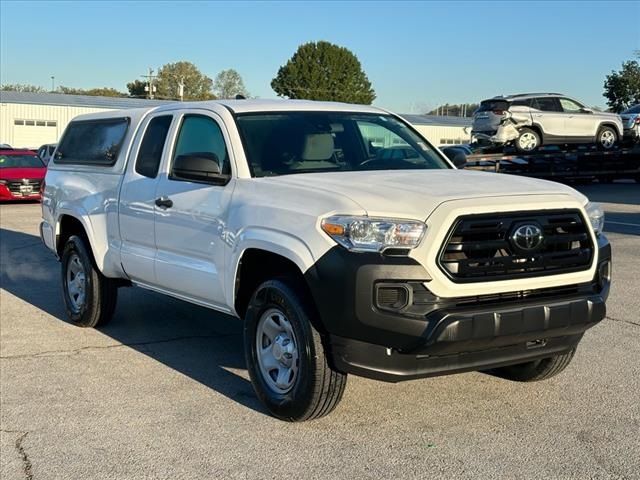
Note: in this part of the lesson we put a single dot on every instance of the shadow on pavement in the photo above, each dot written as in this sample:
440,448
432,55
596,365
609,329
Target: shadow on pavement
194,341
624,193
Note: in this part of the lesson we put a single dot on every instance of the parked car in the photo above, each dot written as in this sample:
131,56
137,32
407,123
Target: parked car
5,146
534,119
21,175
339,261
46,151
631,122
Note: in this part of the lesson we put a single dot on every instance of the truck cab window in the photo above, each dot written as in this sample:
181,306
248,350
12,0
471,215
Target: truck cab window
152,146
201,134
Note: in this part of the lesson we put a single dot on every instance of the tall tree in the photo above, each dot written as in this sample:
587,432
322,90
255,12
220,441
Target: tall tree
197,86
21,87
136,88
622,88
324,71
228,84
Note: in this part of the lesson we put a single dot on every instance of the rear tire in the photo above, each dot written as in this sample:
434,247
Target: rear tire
528,141
536,370
607,138
285,356
89,297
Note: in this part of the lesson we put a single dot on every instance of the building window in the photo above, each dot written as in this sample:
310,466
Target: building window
18,122
52,124
40,123
30,123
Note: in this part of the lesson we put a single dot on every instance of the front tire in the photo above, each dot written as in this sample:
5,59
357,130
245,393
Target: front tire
536,370
286,359
607,138
90,297
528,141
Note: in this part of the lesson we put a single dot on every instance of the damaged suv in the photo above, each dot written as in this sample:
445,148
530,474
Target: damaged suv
531,120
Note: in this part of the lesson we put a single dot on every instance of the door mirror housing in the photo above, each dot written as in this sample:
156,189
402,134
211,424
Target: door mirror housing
201,167
456,155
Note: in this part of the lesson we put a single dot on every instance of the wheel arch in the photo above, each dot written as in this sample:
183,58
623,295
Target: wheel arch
539,130
71,223
610,124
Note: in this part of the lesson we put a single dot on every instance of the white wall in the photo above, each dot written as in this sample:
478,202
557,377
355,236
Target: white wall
55,120
439,135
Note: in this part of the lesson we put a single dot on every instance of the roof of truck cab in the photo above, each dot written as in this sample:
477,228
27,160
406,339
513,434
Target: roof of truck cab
236,106
276,105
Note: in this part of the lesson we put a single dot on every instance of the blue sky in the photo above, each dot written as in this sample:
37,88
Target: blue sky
416,54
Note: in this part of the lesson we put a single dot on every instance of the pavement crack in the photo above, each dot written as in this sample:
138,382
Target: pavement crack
53,353
623,321
27,467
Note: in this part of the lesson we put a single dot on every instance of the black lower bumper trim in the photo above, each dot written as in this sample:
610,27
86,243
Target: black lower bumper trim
379,363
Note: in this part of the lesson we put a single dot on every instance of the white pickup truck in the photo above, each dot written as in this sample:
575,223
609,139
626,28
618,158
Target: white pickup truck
342,238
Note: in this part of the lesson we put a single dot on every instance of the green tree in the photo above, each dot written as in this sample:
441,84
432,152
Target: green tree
197,86
136,88
622,88
324,71
94,92
21,87
228,84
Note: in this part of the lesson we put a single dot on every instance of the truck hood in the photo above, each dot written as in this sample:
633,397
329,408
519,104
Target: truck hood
416,193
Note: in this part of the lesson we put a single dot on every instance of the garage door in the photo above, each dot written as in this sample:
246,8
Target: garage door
33,133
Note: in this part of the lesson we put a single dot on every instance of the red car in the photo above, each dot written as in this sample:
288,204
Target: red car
21,175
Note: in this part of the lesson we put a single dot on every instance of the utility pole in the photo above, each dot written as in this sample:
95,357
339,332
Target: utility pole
181,88
150,88
53,83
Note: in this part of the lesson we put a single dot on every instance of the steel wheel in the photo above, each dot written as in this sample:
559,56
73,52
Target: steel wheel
607,139
277,351
528,141
76,282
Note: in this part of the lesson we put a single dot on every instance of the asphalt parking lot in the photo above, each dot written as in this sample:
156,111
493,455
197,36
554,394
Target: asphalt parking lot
162,392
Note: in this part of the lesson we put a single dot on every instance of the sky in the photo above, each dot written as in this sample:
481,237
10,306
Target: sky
416,54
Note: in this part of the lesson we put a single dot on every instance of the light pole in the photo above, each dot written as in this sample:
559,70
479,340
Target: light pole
53,83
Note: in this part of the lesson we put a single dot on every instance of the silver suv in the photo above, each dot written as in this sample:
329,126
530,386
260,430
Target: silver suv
531,120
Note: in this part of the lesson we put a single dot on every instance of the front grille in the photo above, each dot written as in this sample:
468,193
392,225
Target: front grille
482,248
17,187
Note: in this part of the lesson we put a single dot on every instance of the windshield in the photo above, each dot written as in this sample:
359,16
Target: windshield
634,109
304,142
20,161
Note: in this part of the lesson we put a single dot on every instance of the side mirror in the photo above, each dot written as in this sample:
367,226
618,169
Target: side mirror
457,156
199,167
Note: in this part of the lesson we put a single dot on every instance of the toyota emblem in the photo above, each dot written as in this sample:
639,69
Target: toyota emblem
527,238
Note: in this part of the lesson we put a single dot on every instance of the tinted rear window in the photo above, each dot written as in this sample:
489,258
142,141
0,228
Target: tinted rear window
635,109
92,142
491,105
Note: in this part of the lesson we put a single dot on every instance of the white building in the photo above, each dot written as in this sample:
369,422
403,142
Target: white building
441,130
32,119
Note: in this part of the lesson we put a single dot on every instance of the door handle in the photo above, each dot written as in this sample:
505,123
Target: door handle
164,202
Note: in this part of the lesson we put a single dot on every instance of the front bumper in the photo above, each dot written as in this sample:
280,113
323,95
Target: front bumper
632,133
436,336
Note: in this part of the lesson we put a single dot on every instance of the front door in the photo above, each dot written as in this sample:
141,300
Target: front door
137,199
578,123
190,219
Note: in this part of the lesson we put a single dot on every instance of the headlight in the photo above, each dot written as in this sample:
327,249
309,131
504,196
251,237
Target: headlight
3,182
596,216
366,234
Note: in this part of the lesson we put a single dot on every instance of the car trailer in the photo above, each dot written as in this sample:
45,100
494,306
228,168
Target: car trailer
569,165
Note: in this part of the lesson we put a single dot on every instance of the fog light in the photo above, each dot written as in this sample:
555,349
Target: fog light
392,296
604,273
